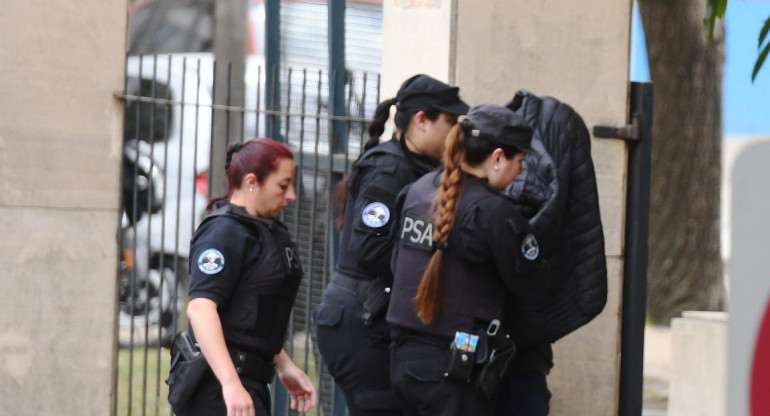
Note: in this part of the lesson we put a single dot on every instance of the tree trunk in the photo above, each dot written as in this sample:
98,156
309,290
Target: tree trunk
685,265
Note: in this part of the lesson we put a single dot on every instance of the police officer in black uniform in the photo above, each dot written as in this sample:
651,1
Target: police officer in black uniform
462,250
352,335
244,276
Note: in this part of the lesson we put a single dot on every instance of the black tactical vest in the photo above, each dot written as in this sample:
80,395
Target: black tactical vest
256,316
473,293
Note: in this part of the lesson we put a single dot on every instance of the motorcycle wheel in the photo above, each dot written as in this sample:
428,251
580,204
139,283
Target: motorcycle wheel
148,316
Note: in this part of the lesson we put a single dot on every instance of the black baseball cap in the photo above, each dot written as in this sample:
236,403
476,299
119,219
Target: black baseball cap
500,125
422,92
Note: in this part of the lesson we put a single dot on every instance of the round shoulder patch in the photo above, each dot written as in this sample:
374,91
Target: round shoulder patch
375,215
530,249
211,261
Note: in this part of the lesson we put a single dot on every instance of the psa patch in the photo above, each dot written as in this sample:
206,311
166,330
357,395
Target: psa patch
530,248
375,215
211,261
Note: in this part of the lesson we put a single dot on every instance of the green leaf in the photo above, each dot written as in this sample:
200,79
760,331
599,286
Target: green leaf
715,9
721,8
760,61
763,32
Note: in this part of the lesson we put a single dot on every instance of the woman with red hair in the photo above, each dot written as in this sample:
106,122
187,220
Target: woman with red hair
244,275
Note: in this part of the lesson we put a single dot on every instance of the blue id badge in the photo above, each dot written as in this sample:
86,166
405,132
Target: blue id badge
465,341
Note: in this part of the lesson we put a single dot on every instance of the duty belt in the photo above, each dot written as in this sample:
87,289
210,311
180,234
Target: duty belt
252,366
358,286
373,294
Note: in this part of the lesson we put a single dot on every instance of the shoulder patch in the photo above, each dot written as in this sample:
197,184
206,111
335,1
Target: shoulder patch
530,248
211,261
375,215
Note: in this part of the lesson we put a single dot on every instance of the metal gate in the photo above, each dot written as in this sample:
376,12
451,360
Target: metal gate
170,120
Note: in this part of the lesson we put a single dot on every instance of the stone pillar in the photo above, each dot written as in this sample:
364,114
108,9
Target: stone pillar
60,148
698,364
577,52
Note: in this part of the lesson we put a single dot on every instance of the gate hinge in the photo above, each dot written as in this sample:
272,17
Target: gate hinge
628,132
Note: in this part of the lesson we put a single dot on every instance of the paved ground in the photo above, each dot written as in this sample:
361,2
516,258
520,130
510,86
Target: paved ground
657,370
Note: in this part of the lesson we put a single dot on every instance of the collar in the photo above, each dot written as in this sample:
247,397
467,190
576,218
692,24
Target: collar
468,178
224,207
422,162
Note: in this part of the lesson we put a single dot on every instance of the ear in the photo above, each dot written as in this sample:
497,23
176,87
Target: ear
250,179
497,155
420,118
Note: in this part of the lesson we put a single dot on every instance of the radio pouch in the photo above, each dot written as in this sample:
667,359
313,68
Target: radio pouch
187,369
502,350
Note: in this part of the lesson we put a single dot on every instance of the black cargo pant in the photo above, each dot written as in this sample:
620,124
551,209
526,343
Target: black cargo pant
356,355
419,385
207,399
523,393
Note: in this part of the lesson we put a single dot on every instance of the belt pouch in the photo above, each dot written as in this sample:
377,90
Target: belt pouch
187,369
376,300
461,360
495,367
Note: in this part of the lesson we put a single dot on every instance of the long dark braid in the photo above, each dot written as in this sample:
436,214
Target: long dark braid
429,294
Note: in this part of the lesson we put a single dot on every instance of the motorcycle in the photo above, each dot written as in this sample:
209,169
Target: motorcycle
149,282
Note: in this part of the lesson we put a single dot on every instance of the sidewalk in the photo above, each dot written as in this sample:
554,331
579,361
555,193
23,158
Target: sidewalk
657,370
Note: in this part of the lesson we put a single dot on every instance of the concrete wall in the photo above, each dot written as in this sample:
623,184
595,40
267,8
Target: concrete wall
60,62
577,52
416,39
698,364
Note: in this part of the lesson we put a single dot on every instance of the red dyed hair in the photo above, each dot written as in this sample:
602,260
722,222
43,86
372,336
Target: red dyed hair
258,156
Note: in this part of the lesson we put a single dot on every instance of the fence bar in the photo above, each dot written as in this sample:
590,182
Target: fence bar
635,267
145,352
195,140
338,136
272,60
166,122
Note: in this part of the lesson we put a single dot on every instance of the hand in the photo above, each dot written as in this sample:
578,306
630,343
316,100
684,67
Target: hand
237,400
298,384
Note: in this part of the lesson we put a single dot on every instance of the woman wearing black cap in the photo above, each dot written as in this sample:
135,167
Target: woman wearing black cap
352,333
462,250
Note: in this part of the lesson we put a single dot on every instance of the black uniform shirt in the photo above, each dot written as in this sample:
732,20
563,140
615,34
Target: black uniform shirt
376,180
222,250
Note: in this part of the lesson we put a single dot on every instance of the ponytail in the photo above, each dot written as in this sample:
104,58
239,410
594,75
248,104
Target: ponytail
429,294
375,130
231,150
377,126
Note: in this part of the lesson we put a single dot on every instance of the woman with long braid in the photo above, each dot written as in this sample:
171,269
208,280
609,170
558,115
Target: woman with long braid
352,333
462,251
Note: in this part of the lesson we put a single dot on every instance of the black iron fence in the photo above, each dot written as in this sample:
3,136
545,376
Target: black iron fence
170,129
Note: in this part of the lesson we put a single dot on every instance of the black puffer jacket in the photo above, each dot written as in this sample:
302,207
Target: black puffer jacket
557,192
